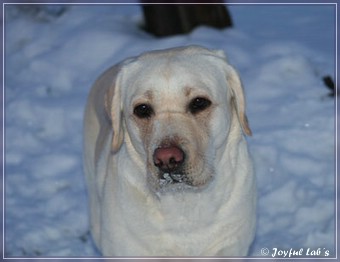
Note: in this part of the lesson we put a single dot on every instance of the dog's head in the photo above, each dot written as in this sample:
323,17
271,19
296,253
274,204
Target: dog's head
176,108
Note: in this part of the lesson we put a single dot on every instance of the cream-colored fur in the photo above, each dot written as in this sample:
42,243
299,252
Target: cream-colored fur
132,213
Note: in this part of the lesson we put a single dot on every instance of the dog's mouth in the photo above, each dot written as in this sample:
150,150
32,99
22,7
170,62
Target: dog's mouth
166,179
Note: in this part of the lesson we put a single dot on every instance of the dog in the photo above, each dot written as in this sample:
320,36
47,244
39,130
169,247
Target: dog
165,157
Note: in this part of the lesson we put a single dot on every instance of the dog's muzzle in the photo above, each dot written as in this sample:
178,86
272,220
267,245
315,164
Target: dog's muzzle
170,161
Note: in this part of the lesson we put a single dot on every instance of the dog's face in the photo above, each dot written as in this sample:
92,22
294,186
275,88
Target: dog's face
177,111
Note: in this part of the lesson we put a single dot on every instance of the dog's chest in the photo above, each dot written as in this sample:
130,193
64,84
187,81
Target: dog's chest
187,210
177,225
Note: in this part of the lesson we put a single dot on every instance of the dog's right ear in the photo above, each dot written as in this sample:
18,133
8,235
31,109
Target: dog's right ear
113,107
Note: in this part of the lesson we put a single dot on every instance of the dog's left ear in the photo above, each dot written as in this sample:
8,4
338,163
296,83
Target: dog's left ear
238,98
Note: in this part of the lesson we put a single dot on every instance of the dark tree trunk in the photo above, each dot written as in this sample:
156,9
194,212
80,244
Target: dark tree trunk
172,19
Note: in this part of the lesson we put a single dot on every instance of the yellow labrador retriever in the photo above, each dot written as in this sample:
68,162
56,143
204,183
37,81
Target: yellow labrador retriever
166,162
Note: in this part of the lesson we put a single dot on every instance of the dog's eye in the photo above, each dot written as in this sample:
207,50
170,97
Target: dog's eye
143,111
199,104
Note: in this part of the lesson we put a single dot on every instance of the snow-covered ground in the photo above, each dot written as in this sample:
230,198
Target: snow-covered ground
53,57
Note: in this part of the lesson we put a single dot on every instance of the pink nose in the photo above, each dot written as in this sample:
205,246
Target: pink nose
168,159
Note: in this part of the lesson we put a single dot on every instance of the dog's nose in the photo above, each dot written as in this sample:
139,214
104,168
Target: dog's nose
168,159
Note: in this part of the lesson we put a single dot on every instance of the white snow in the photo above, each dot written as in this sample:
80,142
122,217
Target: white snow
281,51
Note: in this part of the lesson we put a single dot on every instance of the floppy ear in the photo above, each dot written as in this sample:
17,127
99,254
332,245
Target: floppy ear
238,98
113,108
